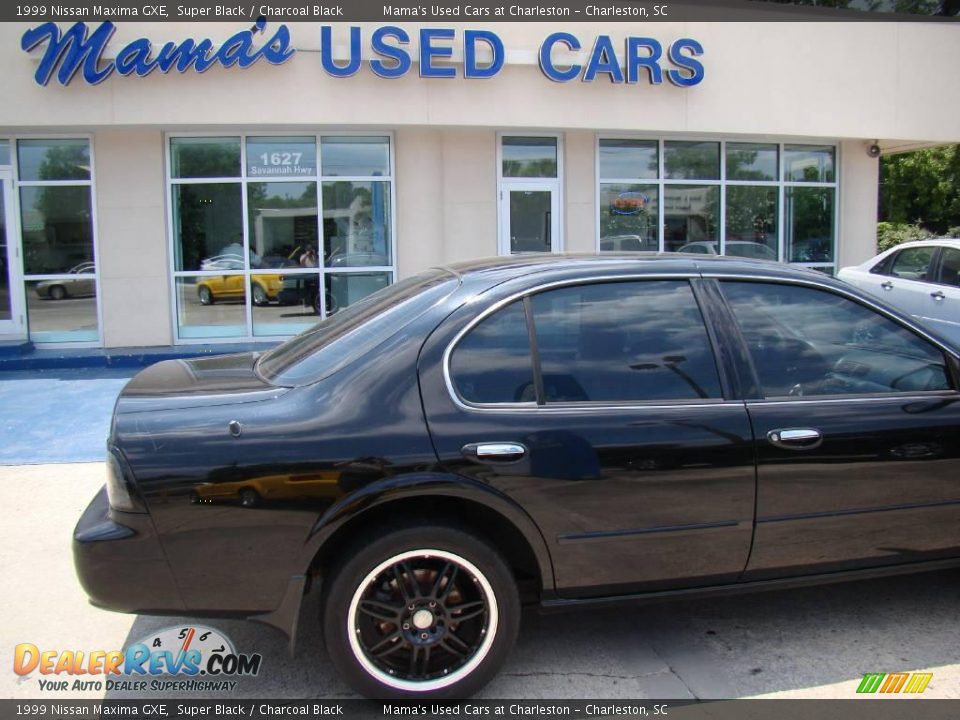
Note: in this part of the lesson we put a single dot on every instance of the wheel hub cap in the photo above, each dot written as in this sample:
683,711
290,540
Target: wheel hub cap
422,619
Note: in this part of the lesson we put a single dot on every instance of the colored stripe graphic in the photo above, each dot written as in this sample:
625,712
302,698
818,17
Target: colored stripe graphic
894,683
870,682
918,682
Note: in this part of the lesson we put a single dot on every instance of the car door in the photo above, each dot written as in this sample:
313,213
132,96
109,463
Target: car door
904,284
857,430
940,306
598,408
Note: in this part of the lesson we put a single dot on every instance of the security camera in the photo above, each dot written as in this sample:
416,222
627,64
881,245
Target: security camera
873,150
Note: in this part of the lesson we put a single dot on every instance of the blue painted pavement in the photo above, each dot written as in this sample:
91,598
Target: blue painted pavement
57,415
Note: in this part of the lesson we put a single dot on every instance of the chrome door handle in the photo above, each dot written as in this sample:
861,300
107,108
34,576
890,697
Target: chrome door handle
938,295
887,285
494,452
795,438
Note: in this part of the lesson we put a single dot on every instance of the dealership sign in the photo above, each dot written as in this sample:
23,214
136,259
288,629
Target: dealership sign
80,49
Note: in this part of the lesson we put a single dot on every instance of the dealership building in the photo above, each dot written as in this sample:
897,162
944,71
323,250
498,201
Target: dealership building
148,203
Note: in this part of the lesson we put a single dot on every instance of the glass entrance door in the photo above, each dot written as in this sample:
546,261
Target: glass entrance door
529,213
10,287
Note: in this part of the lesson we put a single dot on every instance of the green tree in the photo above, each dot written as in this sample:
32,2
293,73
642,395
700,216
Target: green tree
922,188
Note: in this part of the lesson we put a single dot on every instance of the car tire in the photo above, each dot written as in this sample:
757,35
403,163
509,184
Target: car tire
260,297
206,297
464,618
249,497
57,292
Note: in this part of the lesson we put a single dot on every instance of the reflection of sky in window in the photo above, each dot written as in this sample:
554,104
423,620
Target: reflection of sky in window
348,156
33,153
628,159
289,190
798,159
529,149
751,161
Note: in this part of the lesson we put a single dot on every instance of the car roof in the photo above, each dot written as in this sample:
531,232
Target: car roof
950,242
634,262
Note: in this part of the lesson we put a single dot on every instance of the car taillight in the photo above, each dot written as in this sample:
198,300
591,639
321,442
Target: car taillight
121,495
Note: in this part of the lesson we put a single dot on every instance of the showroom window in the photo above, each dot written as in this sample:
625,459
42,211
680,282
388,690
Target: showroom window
55,186
270,233
751,199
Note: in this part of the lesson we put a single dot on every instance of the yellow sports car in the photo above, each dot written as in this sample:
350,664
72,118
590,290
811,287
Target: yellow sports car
265,287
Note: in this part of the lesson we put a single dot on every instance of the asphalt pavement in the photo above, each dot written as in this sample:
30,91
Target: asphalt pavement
812,642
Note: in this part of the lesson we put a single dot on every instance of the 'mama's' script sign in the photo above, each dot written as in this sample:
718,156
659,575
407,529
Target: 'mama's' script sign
386,53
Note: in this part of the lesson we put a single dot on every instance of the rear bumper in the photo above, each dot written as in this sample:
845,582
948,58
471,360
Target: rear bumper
119,561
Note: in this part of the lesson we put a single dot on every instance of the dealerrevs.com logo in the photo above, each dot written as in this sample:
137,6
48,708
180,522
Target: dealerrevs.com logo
200,658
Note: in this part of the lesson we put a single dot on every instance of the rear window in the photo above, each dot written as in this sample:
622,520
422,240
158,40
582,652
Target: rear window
341,338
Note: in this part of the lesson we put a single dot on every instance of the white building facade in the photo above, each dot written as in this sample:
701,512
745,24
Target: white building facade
243,203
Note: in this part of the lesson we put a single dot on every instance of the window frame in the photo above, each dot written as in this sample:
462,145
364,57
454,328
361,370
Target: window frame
781,184
950,356
523,296
21,277
243,179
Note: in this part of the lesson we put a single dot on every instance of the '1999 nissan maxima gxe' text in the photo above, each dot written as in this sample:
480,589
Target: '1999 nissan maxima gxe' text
546,430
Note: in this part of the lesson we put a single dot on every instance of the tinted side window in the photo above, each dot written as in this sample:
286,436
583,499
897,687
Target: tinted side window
805,341
950,267
913,263
492,363
623,341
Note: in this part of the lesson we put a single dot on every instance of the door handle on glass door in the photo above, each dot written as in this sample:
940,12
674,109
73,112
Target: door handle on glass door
795,438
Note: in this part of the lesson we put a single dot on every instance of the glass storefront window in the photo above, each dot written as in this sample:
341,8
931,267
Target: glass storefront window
809,224
752,221
778,201
284,303
691,216
56,227
63,309
67,159
751,161
211,306
282,228
809,163
356,224
629,159
683,160
204,157
256,245
344,289
4,152
281,157
57,239
352,156
208,226
529,157
628,217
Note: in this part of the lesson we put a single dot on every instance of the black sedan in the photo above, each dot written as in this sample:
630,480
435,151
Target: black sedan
545,430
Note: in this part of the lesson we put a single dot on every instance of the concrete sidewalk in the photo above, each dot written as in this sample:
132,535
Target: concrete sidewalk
62,415
814,642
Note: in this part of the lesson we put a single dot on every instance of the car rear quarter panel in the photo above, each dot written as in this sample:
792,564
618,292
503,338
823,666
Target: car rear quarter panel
359,426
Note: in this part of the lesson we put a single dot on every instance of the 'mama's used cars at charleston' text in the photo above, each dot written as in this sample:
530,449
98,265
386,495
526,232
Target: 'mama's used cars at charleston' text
544,430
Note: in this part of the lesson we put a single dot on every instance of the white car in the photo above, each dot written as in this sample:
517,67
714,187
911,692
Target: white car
920,278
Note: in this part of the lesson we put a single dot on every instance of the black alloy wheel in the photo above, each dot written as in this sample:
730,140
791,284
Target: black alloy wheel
421,612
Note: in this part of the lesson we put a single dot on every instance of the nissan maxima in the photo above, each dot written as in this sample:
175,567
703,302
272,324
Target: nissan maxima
555,431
